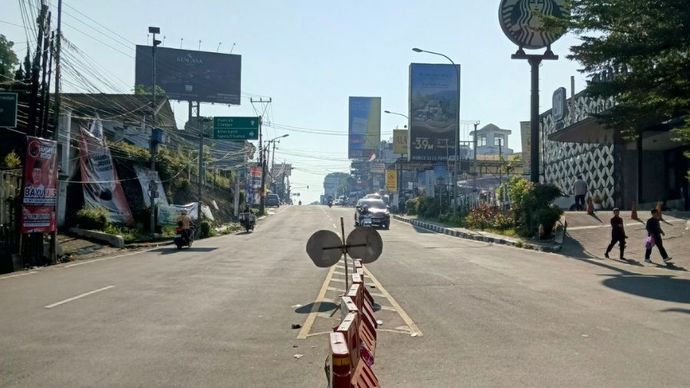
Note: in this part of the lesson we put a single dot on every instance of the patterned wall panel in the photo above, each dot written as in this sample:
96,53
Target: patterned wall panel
563,162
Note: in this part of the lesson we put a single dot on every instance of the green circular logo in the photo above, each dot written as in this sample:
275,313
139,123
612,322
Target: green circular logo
523,21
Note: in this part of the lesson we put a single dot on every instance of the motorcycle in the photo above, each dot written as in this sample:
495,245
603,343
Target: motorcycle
248,221
183,237
330,203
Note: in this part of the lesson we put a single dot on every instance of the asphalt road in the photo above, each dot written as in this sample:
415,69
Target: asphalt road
455,313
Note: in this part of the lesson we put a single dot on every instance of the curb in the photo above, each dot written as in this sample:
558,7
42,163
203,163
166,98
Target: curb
552,248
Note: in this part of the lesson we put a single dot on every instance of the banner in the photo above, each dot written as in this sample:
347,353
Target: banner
40,186
144,175
400,141
434,107
254,186
101,185
364,126
391,181
168,214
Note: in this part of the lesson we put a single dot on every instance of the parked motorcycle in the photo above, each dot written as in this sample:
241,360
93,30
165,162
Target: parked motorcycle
248,221
183,237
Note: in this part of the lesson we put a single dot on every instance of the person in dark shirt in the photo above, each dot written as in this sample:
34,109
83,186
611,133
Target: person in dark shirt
654,231
617,234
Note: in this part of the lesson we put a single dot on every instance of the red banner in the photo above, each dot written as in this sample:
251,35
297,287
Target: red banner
40,186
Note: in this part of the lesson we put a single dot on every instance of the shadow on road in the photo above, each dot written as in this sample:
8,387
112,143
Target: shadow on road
173,249
421,230
323,307
656,287
676,310
664,287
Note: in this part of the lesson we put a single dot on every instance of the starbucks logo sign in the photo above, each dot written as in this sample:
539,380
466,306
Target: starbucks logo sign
523,21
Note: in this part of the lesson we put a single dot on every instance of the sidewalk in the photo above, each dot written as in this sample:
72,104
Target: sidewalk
588,236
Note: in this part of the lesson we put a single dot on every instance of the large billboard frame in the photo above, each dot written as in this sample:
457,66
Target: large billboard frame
190,75
433,111
364,126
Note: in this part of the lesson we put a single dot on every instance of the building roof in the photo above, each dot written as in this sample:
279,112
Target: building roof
492,128
128,108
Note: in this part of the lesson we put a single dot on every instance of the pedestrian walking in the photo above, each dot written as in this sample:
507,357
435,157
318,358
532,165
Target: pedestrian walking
617,234
654,234
580,191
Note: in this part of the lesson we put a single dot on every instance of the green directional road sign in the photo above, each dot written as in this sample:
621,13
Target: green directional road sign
236,128
8,110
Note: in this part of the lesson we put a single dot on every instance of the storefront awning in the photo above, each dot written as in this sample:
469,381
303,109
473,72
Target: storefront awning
584,131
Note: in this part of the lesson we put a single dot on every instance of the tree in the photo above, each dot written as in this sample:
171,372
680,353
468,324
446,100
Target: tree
642,48
8,59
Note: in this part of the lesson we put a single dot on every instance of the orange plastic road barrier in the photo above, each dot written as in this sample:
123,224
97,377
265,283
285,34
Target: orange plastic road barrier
349,327
633,213
341,362
364,377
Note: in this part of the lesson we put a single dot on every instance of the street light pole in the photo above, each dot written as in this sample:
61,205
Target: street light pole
264,162
457,120
154,134
399,163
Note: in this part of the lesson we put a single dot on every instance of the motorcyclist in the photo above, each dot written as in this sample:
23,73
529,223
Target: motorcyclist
184,221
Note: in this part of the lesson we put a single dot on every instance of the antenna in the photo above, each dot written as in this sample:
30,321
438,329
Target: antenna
233,47
163,43
181,39
199,44
219,43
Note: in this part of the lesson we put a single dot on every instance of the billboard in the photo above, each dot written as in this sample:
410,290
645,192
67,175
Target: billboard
191,75
40,186
364,127
400,141
434,104
391,181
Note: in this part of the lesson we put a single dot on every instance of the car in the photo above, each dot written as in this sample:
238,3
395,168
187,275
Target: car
372,212
272,200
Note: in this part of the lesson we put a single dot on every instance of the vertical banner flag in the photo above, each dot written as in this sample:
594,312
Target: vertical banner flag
400,141
101,185
40,186
364,127
144,175
254,185
434,104
391,181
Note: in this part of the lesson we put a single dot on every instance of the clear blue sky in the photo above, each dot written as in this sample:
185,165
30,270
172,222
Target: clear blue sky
309,56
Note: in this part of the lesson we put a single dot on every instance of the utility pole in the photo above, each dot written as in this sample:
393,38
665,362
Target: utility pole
56,128
474,174
262,161
153,186
201,158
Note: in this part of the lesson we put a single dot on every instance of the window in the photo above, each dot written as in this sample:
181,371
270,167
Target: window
482,140
498,140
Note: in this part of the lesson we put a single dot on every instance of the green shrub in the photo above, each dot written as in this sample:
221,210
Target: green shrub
531,204
411,206
95,218
489,217
205,229
547,217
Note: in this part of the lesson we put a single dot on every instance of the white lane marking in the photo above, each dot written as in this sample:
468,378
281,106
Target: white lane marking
18,275
50,306
306,328
415,332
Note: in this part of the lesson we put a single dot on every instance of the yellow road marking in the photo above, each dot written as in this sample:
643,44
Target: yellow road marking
413,327
303,334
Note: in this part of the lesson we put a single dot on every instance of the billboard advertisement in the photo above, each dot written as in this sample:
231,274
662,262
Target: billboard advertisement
40,186
254,185
400,141
391,181
191,75
434,104
102,186
364,127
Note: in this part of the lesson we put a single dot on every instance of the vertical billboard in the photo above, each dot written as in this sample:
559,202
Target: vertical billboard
400,141
434,105
391,181
40,186
364,127
191,75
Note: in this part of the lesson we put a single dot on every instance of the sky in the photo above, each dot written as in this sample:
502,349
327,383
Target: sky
309,56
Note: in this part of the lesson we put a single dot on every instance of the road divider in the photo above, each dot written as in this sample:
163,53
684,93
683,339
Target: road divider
353,343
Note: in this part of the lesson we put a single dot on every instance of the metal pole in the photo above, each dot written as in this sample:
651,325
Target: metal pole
474,164
53,236
262,203
201,158
152,204
534,62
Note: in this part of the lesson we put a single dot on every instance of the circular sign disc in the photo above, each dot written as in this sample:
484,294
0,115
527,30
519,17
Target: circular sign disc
365,244
522,21
324,248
